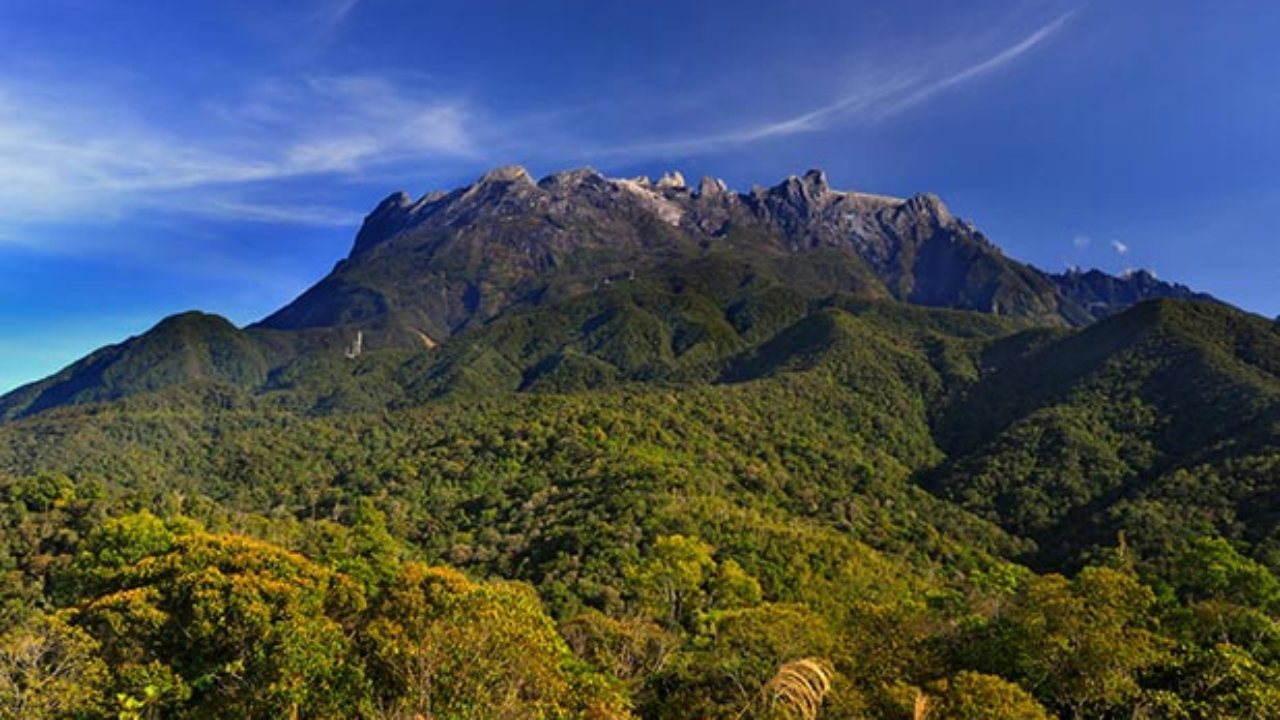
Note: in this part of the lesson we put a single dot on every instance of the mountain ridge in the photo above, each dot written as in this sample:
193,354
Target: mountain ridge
914,248
423,270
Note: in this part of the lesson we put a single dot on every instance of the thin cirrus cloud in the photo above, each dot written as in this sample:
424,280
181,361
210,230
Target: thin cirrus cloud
874,101
62,157
319,215
1119,247
68,153
991,64
332,13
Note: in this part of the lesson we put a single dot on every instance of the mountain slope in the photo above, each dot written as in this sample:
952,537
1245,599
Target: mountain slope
1067,439
1101,294
1061,437
579,283
183,348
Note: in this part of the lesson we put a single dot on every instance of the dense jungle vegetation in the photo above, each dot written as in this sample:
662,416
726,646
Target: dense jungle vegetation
628,506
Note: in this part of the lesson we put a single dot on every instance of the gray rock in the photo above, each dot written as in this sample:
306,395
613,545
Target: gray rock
453,259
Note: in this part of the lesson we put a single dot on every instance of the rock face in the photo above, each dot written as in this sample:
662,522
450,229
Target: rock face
445,261
1101,294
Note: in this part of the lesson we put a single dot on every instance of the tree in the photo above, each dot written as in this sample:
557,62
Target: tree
440,645
729,667
630,649
49,669
117,544
1222,682
671,582
732,587
974,696
225,626
1211,569
1079,646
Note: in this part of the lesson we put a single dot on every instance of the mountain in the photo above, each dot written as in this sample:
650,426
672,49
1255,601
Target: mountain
182,348
1101,294
696,452
865,483
422,270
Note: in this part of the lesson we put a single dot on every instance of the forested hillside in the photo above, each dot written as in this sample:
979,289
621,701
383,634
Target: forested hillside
742,480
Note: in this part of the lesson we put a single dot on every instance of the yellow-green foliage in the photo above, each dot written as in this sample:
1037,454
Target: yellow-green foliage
444,646
732,663
1079,645
230,626
974,696
49,669
691,536
631,648
201,625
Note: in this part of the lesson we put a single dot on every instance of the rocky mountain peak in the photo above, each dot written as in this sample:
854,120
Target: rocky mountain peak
808,190
815,183
673,180
390,216
712,187
433,196
569,179
493,187
931,207
1142,275
506,174
448,260
395,201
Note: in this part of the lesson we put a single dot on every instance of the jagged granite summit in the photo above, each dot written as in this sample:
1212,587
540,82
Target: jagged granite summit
433,266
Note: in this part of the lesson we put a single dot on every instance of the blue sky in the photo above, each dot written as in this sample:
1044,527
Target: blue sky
220,157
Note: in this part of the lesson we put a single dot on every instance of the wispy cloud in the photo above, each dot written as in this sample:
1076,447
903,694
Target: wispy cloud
810,121
331,13
1119,247
64,156
1081,242
904,89
70,151
999,60
319,215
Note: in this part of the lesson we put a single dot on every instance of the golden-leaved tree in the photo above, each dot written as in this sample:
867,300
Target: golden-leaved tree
199,625
443,646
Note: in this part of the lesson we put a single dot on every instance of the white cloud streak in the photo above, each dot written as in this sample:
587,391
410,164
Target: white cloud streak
1119,247
333,12
999,60
317,215
873,102
62,157
810,121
